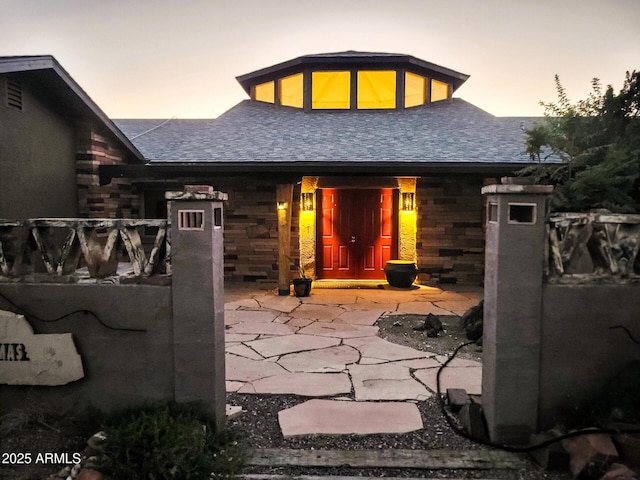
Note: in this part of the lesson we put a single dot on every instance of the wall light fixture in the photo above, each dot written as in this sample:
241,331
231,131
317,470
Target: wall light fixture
306,201
408,201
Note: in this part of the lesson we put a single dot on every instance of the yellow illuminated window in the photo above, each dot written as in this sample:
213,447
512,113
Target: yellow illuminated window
439,91
265,92
291,91
376,89
330,90
415,88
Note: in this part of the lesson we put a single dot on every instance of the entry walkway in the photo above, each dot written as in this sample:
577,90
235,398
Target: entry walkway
326,347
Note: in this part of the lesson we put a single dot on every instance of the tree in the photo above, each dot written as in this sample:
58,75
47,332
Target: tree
590,150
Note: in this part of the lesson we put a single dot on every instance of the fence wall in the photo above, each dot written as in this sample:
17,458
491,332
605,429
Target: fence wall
143,338
562,303
126,349
582,346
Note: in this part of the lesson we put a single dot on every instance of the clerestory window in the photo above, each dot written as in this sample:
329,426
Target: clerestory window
376,89
330,90
291,91
347,89
415,90
265,92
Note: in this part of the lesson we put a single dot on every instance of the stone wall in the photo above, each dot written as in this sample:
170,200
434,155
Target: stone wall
251,229
450,235
118,199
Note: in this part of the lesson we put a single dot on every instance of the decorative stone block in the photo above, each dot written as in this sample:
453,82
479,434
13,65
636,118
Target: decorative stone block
30,359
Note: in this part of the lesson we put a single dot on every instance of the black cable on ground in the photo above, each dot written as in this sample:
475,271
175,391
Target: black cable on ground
511,448
90,313
633,339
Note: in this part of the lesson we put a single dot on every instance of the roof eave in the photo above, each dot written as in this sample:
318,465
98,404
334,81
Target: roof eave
336,59
46,62
301,168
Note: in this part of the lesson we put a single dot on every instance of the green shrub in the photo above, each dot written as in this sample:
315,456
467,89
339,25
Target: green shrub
177,442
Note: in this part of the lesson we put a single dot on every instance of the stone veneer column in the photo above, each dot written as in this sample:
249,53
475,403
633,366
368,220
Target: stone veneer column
407,222
119,199
514,269
307,228
197,265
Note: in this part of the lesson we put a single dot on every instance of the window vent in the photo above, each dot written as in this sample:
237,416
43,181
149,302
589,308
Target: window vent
14,95
191,220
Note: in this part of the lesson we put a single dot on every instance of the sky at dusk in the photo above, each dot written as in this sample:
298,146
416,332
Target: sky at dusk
164,58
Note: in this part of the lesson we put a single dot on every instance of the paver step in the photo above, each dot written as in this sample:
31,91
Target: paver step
440,459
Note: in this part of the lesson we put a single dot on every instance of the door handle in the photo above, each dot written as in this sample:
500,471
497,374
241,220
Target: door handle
353,239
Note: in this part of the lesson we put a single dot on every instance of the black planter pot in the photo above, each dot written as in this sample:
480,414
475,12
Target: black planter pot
400,273
302,287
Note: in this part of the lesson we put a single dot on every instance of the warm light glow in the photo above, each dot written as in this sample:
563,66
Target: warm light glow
291,89
408,203
282,205
415,88
265,92
376,89
330,90
439,91
306,201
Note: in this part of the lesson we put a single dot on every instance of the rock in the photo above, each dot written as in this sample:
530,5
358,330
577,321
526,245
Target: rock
553,456
627,444
96,442
472,421
458,398
432,325
88,474
620,472
591,454
472,321
64,473
75,470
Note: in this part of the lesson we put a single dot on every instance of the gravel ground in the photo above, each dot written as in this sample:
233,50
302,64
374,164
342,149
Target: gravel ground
260,429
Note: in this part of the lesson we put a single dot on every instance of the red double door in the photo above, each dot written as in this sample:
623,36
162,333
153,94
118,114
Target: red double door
356,235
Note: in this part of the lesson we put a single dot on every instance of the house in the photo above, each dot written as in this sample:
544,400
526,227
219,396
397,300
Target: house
53,138
383,163
336,163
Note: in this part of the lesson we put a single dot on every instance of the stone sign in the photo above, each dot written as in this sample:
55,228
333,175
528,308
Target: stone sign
30,359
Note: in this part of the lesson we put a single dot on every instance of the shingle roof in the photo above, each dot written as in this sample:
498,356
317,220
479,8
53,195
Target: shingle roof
449,132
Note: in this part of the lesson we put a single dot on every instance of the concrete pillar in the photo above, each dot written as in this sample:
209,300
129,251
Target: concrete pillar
514,269
197,264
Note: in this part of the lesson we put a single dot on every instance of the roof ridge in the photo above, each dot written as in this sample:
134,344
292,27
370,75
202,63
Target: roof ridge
153,128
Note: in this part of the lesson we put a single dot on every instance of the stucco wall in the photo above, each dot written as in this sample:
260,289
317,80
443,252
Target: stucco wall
580,352
122,368
37,169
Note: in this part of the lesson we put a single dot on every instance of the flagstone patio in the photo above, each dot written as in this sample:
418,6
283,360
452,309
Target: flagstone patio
326,346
